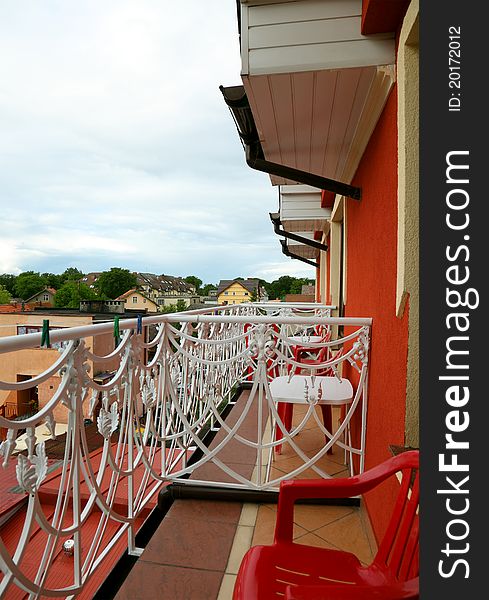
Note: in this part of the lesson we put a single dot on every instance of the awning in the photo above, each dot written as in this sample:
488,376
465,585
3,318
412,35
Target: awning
237,101
315,84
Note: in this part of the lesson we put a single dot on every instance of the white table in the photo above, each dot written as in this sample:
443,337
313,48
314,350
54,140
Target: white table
305,339
334,391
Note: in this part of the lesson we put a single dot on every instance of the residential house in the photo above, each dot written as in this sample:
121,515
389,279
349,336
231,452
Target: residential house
90,279
135,300
43,298
162,290
26,364
329,109
210,299
166,290
236,291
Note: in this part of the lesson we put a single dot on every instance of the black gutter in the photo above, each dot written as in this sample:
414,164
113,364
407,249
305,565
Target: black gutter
290,254
323,183
275,218
237,101
182,491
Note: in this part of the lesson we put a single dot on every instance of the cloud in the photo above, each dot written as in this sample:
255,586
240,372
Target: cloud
116,148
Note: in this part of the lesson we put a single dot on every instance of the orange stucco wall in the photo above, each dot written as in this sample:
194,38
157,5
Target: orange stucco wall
371,292
36,360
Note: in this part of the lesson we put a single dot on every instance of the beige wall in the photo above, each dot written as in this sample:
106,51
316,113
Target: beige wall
141,302
234,294
173,299
34,361
408,208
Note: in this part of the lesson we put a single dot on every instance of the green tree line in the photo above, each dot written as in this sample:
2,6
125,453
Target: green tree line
111,284
68,285
276,290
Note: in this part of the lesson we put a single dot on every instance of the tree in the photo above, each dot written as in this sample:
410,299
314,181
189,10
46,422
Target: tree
280,287
52,280
296,286
70,294
115,282
8,282
181,305
71,274
169,308
5,295
195,281
207,288
29,283
285,285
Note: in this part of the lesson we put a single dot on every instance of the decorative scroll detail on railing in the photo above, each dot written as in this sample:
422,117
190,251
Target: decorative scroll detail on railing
7,447
262,343
31,471
149,405
108,420
361,347
51,425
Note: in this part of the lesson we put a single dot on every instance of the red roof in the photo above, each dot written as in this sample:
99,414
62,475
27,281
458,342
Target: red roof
126,294
9,496
15,307
61,570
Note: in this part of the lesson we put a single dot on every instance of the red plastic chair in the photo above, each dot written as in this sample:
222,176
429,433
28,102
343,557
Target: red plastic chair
310,351
302,354
408,590
299,572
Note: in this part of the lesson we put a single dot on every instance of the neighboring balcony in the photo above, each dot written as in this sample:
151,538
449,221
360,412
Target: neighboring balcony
216,406
315,84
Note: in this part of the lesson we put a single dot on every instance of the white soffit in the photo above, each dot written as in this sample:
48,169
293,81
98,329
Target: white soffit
309,235
300,209
302,250
316,86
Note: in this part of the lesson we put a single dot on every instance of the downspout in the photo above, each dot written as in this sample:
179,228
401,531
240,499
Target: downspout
290,254
275,218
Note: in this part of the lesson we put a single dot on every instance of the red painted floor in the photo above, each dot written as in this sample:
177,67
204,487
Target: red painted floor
61,571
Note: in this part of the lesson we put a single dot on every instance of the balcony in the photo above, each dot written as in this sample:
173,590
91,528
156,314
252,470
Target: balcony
186,413
316,85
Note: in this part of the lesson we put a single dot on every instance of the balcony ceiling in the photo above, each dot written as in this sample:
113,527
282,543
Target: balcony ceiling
303,250
300,209
315,84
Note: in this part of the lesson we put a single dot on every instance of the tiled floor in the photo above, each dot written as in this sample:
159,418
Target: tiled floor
198,548
336,527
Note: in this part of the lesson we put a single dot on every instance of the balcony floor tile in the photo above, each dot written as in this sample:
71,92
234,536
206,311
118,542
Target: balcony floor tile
151,580
189,542
196,551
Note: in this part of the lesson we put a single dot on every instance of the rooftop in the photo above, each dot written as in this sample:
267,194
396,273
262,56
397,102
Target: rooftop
249,284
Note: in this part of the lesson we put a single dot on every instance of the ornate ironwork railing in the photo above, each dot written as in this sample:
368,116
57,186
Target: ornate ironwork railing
151,412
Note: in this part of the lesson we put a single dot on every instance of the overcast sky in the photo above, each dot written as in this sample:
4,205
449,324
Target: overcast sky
117,149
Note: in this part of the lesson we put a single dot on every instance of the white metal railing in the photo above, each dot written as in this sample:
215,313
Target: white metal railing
151,416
